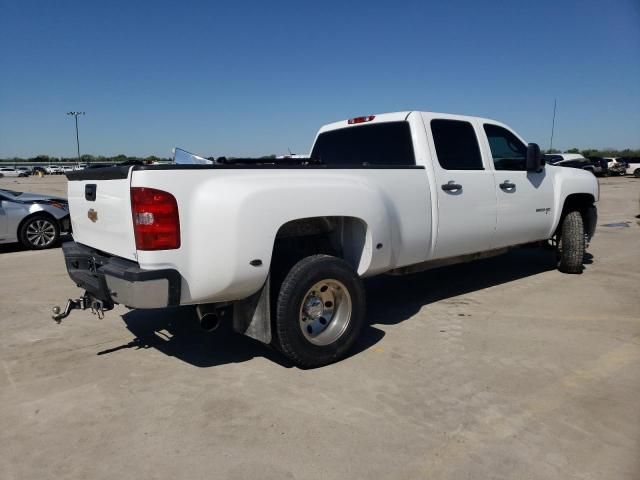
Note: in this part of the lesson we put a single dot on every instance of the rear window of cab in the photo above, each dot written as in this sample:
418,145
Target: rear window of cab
386,143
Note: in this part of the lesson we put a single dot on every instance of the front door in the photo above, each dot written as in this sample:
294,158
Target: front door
466,195
525,199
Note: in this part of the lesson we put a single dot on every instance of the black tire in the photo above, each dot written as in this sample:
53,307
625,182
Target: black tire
298,290
571,243
636,173
48,228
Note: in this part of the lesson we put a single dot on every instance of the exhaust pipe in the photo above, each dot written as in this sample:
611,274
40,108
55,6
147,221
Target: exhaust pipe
210,315
209,321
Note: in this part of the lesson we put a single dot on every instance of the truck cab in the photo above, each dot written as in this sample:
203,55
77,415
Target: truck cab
481,192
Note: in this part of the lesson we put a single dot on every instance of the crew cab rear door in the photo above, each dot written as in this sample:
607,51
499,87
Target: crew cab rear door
466,209
100,210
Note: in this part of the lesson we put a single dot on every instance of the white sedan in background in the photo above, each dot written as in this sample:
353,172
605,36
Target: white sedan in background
32,219
11,172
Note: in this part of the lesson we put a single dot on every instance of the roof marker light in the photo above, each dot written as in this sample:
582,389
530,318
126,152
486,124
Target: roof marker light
353,121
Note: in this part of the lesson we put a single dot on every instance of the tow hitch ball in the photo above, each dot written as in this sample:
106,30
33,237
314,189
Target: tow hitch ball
82,303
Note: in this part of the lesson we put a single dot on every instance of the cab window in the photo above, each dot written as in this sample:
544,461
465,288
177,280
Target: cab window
387,143
508,152
456,145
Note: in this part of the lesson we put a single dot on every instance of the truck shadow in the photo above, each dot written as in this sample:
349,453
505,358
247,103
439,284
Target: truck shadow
391,300
176,333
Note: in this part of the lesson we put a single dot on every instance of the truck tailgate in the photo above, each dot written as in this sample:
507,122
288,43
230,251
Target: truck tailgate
100,209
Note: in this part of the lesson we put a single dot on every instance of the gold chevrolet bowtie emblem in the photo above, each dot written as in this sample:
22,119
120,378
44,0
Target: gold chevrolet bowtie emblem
93,215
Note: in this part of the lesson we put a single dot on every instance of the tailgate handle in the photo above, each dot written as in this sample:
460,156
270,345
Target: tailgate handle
90,192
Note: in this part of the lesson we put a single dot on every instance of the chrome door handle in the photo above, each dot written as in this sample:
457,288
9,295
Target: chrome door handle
451,186
507,185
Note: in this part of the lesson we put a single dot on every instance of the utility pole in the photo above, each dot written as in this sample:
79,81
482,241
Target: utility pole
75,114
553,124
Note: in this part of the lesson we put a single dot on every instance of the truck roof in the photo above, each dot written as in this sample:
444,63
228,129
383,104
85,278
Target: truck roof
396,117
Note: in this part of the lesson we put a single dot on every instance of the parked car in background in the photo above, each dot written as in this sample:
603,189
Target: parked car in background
597,168
616,165
600,165
572,160
53,169
26,170
632,166
99,165
611,160
34,220
12,172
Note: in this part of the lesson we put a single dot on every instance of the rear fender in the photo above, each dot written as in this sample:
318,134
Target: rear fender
250,209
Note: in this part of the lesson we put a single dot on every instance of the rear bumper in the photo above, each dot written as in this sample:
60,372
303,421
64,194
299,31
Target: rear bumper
116,280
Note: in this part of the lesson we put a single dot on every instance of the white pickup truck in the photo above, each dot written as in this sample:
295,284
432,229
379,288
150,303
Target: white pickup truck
279,246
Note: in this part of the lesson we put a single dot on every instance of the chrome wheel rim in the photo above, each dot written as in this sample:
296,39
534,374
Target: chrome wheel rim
325,312
41,233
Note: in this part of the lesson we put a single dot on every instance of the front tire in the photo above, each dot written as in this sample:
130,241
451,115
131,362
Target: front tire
571,243
39,232
636,173
320,311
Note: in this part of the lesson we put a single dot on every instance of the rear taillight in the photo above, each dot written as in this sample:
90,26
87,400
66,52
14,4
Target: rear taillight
155,219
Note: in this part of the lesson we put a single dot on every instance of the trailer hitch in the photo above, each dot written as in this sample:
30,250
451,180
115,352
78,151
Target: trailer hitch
86,301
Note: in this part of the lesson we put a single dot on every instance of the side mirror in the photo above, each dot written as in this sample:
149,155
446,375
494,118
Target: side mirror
535,162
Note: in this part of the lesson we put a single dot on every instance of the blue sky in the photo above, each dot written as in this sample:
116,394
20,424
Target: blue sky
251,78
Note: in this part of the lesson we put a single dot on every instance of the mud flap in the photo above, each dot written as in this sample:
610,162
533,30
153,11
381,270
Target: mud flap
590,221
252,316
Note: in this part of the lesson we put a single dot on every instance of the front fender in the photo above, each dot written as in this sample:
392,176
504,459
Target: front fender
55,212
567,182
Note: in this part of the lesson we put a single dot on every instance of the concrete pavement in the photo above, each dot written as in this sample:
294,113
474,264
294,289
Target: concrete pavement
504,368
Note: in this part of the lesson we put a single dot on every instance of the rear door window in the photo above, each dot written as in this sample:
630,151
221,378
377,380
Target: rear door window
456,145
386,143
